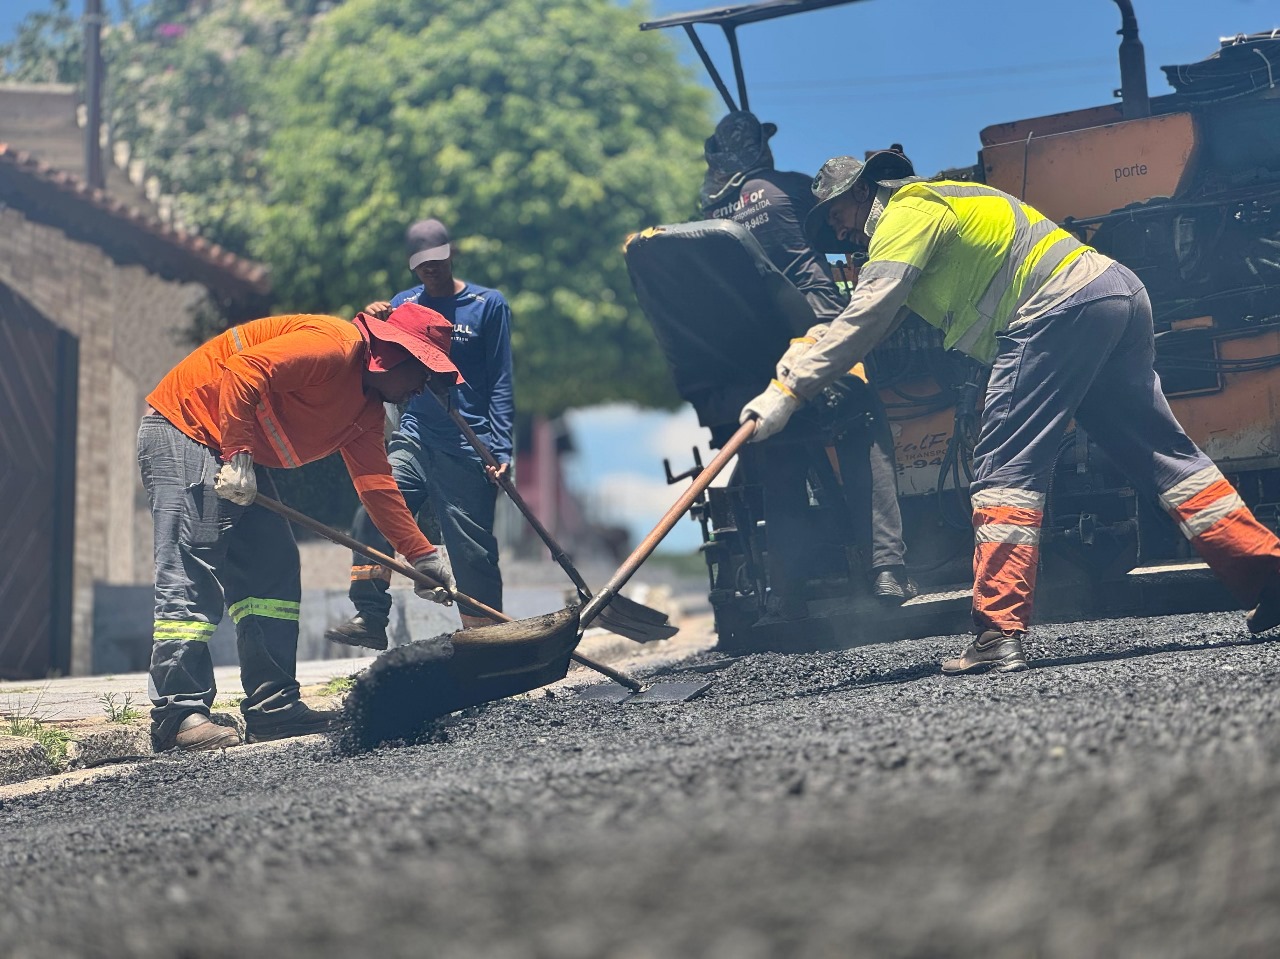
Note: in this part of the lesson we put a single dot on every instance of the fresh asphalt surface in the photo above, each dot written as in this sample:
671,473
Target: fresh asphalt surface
1120,799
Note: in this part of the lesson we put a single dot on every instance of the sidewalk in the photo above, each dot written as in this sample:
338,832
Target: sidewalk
71,729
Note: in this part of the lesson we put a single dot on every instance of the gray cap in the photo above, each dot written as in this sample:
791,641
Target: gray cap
427,240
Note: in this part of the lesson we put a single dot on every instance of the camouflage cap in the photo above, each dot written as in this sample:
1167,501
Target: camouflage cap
836,178
740,143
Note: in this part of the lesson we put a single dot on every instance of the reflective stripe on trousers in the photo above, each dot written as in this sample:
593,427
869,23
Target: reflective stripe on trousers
1211,514
210,552
1006,554
1092,359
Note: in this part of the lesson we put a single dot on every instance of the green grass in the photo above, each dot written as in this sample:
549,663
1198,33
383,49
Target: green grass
53,740
119,712
227,702
337,686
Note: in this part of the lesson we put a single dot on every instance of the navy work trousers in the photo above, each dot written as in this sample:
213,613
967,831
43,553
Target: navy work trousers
1093,359
464,500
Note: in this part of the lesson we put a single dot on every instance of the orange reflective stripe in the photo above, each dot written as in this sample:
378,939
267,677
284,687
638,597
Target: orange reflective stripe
1004,584
360,573
1007,515
1239,549
1199,512
1006,552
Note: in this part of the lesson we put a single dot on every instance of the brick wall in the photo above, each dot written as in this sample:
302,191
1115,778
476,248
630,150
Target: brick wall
132,328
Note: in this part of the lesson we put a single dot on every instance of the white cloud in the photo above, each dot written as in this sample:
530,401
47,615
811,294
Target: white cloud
618,466
639,501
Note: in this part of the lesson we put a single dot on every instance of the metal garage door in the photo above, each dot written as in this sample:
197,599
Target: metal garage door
37,490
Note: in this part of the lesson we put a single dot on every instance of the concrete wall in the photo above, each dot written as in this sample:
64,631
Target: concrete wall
132,328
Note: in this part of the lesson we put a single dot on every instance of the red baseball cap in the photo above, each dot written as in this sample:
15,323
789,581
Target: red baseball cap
410,332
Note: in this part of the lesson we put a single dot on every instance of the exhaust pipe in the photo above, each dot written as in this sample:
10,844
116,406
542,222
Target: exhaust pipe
1134,101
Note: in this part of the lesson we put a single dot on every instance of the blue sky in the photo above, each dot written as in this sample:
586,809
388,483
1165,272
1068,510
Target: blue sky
876,72
865,75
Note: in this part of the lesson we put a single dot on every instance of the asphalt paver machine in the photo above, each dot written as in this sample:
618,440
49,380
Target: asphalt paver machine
1184,189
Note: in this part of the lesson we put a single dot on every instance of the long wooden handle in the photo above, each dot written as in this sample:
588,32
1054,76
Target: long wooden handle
404,569
508,487
668,521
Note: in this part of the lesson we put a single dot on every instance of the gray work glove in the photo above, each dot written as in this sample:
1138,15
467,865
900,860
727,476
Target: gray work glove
436,565
235,480
771,410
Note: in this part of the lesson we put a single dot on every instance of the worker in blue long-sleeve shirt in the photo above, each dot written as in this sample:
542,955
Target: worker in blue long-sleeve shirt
430,458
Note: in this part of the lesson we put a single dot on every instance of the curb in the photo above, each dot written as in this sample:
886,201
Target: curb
57,747
53,748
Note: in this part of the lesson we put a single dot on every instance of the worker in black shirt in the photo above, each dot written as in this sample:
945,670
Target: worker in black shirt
742,185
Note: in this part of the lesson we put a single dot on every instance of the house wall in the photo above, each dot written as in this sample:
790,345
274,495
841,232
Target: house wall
132,328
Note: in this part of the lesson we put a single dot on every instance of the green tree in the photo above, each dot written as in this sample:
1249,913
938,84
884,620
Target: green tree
185,88
308,134
48,47
188,84
542,133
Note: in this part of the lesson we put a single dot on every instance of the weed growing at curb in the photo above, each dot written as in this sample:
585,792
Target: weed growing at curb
122,712
29,722
338,686
52,740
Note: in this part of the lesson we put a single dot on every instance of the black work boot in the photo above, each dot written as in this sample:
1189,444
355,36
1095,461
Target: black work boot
303,721
198,733
1266,615
999,652
360,630
892,586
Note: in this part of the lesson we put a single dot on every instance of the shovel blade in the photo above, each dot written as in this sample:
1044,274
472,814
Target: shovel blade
674,692
635,621
409,687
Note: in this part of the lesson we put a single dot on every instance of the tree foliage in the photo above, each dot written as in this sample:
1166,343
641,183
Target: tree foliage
47,48
541,133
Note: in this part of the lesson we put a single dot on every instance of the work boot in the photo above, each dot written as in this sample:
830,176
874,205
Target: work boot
892,586
198,733
1266,615
999,652
304,721
359,631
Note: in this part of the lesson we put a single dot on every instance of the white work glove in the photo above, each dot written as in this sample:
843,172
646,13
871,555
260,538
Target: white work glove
771,410
235,480
798,348
436,565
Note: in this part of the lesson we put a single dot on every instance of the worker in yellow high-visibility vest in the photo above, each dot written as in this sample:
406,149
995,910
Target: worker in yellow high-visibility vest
1067,333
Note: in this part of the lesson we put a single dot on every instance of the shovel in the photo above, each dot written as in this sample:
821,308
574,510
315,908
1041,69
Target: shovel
409,686
488,637
608,593
623,616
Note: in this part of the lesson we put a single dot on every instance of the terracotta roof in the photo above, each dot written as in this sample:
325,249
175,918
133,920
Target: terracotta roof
247,272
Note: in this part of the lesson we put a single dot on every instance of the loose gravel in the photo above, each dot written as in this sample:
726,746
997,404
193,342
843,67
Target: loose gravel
1121,798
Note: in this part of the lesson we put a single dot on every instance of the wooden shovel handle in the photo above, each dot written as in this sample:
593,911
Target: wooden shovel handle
668,521
404,569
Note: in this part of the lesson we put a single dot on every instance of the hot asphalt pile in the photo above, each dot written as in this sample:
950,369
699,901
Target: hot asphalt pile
1123,799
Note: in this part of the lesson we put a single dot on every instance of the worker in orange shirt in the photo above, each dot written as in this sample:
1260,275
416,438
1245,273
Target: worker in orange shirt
278,392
